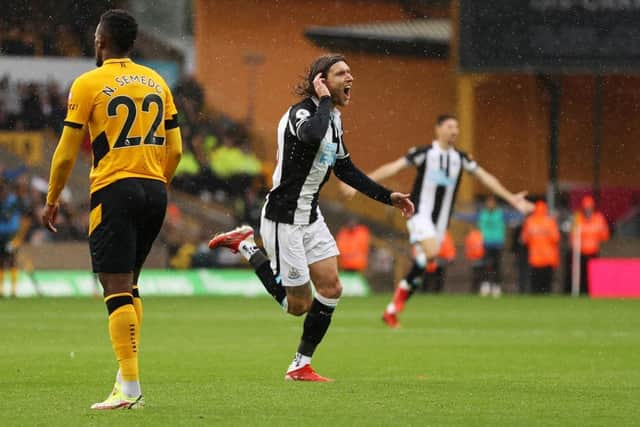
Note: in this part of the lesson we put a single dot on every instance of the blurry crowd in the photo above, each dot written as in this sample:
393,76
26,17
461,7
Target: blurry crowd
30,191
217,161
57,28
31,105
217,165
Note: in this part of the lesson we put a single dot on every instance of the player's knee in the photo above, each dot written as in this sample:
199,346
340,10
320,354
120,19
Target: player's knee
115,283
298,307
333,289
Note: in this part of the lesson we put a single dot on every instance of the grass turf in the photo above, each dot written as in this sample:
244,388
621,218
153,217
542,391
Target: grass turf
205,361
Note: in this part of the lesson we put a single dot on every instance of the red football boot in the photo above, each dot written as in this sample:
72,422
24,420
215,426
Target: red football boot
231,239
391,319
306,373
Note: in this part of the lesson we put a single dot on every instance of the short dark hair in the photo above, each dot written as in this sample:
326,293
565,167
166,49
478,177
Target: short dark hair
121,28
444,117
322,65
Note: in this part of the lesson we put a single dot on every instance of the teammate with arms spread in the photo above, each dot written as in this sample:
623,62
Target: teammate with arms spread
132,121
298,243
439,166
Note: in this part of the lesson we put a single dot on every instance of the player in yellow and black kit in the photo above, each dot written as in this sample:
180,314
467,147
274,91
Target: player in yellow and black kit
129,112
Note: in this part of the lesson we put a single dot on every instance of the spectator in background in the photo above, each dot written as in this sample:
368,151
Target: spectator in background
521,259
54,107
492,226
9,226
353,242
541,235
248,208
11,102
192,174
32,114
436,271
588,231
474,252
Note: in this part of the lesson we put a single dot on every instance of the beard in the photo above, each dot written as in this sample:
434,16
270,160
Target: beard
337,98
99,60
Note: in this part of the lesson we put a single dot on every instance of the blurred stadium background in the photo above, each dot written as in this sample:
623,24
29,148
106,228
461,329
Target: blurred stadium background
546,92
548,96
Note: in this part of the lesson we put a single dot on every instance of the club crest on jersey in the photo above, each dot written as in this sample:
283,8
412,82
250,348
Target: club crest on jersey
302,114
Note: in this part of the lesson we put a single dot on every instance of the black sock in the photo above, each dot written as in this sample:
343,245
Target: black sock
414,277
315,326
271,283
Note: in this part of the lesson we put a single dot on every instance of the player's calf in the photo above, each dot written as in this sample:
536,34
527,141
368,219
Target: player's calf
241,240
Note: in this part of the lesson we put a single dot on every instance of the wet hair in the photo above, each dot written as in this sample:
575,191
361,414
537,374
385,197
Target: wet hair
444,117
121,28
321,65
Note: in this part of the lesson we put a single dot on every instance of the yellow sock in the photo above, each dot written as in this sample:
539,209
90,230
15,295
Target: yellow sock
123,329
137,304
14,281
1,281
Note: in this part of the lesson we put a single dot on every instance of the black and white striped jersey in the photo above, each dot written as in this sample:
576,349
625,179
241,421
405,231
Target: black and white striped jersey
437,181
303,164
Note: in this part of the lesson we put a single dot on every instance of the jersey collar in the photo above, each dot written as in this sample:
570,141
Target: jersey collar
437,145
116,60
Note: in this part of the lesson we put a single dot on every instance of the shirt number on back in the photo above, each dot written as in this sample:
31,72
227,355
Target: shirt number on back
126,140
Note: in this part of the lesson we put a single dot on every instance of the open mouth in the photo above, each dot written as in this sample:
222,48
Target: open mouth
347,91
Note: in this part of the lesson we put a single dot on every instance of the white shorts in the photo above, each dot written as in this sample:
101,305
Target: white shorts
291,248
422,228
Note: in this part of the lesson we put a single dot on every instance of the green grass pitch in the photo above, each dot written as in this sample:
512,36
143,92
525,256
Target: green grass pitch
220,361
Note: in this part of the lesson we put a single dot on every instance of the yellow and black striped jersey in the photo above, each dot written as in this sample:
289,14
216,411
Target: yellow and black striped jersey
128,108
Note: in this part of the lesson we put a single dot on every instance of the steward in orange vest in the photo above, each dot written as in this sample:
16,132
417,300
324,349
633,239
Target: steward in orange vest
353,243
591,229
541,235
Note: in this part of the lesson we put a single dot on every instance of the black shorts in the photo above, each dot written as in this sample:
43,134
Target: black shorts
7,258
125,219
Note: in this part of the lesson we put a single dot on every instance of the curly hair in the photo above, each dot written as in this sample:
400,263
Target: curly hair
121,28
322,65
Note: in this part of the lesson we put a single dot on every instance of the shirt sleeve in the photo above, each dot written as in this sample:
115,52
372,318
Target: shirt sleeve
415,156
468,163
311,126
297,117
79,104
170,110
348,173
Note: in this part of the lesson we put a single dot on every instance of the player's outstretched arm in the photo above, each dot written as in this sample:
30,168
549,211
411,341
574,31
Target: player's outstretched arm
517,200
348,173
61,166
174,152
381,173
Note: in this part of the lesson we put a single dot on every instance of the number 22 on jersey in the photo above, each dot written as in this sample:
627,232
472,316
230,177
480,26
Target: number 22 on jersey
123,104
